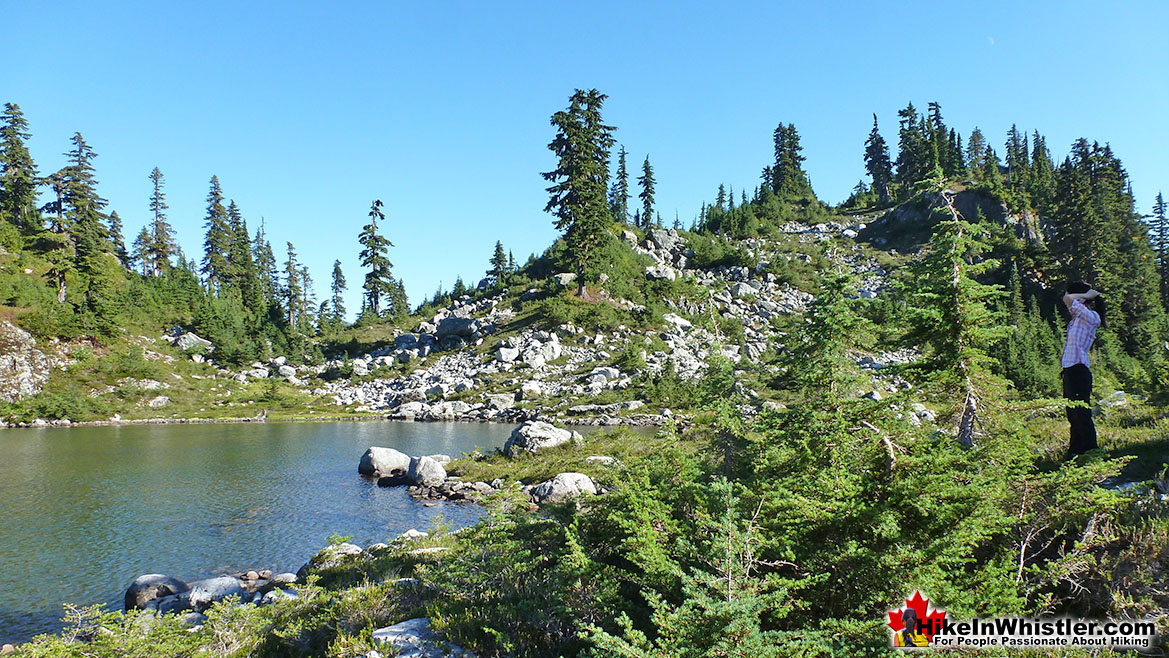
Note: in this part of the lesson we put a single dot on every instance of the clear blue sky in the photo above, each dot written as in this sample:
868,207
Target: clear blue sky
307,111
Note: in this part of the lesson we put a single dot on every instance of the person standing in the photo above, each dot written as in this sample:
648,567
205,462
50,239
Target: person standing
1077,373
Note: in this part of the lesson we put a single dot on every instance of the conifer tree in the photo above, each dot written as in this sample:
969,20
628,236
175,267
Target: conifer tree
975,152
911,145
498,271
511,266
293,291
18,172
141,252
114,230
244,276
990,172
646,180
877,162
374,257
162,241
578,194
788,178
217,240
952,313
265,260
1160,244
338,288
619,194
1041,176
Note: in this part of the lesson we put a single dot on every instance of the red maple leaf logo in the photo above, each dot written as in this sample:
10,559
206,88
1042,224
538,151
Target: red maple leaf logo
930,618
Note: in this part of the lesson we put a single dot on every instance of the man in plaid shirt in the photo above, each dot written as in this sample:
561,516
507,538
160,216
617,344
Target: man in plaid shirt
1077,377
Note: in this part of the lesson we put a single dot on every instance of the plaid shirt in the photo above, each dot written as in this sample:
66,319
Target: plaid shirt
1081,333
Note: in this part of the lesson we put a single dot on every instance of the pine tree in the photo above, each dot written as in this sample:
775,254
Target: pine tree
85,224
293,291
1018,169
511,266
338,288
952,313
1041,177
217,240
117,240
265,260
162,241
141,251
1160,244
374,257
877,162
911,141
578,194
788,178
244,276
498,271
990,172
619,194
18,172
975,152
646,180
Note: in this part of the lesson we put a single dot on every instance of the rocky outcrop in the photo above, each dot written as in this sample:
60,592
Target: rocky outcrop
414,638
24,369
164,594
535,436
149,587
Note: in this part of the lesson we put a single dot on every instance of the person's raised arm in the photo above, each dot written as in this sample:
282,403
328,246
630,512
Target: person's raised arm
1070,297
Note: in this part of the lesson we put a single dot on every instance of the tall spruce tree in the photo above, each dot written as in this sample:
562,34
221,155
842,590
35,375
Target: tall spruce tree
141,252
374,257
161,244
292,292
619,193
1160,242
647,183
953,314
265,264
217,240
788,178
579,190
877,162
338,288
975,152
117,239
498,271
912,147
18,172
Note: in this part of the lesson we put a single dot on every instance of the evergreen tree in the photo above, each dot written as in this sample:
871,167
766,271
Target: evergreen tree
162,241
1018,169
578,194
877,162
244,276
498,271
217,240
18,172
338,288
1041,177
265,260
619,194
788,178
975,152
374,257
293,291
511,266
646,180
952,313
991,177
141,251
1160,244
912,147
85,224
116,239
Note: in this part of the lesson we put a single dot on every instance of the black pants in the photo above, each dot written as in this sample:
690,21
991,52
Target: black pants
1077,385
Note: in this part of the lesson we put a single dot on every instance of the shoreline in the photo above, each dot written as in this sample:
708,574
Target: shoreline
585,421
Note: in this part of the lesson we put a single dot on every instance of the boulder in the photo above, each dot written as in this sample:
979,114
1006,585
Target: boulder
664,239
286,371
660,273
257,373
414,639
677,320
534,436
189,340
564,279
531,389
24,370
426,472
740,290
330,556
160,401
377,462
149,587
205,592
500,401
563,488
507,354
455,326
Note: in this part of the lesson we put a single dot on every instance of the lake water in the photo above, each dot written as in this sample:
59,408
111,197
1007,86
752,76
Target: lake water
85,510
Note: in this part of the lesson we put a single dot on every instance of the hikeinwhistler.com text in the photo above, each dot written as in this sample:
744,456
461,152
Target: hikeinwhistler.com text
1030,632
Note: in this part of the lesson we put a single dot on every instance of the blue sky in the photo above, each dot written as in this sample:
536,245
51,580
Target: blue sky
308,112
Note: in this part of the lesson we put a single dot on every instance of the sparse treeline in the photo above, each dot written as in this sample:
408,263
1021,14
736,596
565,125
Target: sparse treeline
88,282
